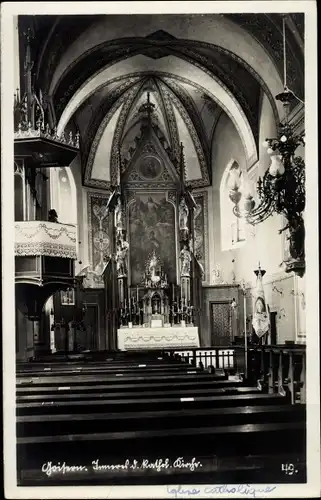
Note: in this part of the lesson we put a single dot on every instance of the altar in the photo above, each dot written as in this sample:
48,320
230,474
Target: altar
154,281
177,337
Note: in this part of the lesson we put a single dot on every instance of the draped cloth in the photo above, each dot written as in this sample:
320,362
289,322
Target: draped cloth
261,317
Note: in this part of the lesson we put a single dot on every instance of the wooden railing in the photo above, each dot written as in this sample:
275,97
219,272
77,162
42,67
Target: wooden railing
274,369
279,368
216,357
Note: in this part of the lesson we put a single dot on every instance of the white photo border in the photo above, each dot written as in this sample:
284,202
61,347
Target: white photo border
9,10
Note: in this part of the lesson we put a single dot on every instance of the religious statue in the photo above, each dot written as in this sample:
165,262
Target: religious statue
217,275
185,258
183,215
122,249
119,215
296,236
153,264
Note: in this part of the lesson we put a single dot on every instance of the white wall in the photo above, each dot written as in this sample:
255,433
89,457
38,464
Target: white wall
82,216
263,244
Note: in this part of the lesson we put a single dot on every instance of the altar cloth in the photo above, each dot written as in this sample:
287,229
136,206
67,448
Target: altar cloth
158,338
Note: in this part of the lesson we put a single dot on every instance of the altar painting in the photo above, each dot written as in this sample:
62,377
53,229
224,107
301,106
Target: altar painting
151,228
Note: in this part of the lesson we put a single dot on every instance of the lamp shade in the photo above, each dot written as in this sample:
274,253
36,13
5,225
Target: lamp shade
235,196
276,167
248,203
234,180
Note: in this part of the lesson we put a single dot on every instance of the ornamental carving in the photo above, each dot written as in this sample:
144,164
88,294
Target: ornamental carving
45,238
98,231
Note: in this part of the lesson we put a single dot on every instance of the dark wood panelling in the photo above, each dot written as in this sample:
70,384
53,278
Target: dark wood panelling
95,318
91,320
219,294
221,323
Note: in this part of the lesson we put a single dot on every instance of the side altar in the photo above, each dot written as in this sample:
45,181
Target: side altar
155,288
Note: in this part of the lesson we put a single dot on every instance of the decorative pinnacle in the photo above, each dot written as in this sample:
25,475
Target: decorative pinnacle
182,163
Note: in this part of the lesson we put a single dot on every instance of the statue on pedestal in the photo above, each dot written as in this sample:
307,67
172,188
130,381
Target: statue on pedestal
296,236
183,215
119,216
185,258
122,249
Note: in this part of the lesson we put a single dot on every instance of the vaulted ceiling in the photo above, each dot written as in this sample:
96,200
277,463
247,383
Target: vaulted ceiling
95,72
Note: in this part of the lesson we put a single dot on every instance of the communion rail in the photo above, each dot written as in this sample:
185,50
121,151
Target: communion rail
273,368
206,357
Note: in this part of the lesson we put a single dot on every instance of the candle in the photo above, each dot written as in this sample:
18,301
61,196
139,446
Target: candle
137,294
173,292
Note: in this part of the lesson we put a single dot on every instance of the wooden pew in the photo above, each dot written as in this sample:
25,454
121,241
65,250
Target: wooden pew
133,386
115,447
151,411
37,425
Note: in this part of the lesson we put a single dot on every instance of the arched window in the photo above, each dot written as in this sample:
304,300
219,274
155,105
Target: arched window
63,194
232,228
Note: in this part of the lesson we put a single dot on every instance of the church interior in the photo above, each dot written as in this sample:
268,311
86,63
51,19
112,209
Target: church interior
159,201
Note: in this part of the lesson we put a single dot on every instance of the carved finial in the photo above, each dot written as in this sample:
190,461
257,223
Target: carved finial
77,139
70,138
182,164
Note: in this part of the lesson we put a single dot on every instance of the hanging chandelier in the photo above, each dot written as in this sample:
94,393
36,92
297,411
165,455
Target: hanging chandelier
281,190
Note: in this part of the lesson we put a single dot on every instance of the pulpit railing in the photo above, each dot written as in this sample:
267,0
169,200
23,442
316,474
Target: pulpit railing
273,369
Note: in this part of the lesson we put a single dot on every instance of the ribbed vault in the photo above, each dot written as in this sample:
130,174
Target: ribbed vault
95,72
